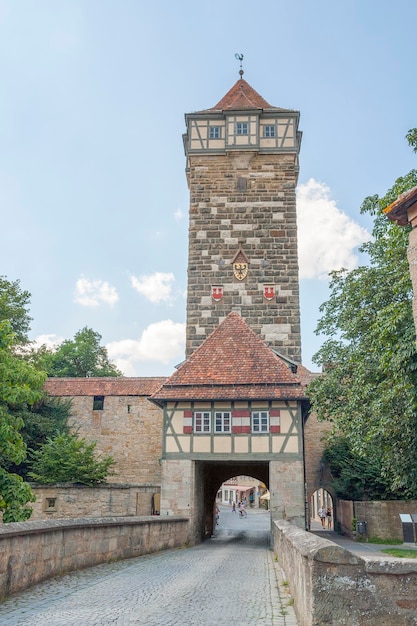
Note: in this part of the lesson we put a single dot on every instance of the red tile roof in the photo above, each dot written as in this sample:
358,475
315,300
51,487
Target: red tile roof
397,211
232,363
242,97
105,386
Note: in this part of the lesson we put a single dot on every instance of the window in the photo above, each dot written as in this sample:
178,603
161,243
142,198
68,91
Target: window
215,132
50,504
202,421
260,422
222,422
242,128
98,403
269,131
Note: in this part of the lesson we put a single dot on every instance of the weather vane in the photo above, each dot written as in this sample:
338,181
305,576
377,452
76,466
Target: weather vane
239,57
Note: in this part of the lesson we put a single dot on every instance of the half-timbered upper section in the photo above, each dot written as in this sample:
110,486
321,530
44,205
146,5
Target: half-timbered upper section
242,119
233,396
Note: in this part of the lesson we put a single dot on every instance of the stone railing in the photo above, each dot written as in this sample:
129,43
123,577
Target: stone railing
34,551
331,585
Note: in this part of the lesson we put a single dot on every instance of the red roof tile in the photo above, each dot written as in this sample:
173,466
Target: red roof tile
232,363
105,386
242,96
397,211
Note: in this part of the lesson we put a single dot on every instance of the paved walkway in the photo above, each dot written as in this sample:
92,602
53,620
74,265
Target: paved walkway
232,578
360,548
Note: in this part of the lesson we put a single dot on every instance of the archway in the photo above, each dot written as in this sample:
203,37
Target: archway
322,501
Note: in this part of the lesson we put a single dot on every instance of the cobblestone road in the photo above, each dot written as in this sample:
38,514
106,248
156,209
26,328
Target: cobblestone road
229,579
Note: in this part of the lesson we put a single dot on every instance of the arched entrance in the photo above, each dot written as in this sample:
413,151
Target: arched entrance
322,510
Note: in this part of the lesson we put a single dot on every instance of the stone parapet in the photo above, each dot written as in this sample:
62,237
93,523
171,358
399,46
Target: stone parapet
331,585
31,552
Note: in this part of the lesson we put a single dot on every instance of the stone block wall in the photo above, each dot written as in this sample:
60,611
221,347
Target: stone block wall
129,428
108,500
31,552
383,518
244,200
330,585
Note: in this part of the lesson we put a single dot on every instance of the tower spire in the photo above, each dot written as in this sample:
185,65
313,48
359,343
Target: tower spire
239,57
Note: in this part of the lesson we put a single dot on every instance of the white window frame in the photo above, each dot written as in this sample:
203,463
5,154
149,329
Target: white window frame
242,128
215,132
270,131
225,418
202,422
260,421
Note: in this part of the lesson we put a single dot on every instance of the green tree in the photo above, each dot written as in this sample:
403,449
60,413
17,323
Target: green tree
68,459
13,307
20,387
47,418
369,386
80,357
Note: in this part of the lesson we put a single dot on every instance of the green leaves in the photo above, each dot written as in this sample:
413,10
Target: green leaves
68,459
81,357
369,386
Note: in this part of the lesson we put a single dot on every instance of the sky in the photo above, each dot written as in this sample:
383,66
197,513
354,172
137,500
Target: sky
93,193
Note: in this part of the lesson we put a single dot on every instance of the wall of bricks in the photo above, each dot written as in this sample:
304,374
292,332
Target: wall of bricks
247,200
31,552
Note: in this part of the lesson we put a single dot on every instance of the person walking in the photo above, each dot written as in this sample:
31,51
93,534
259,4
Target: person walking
329,516
322,516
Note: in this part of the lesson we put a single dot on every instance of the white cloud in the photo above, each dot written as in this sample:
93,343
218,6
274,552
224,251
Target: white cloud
161,342
50,341
327,237
155,287
94,292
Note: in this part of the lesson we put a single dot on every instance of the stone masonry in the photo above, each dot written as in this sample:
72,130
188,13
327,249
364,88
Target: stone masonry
244,202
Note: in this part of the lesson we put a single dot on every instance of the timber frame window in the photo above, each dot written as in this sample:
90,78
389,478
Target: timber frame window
242,128
215,132
260,421
202,422
269,131
222,422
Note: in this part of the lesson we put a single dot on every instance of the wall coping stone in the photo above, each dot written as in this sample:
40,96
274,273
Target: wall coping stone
13,529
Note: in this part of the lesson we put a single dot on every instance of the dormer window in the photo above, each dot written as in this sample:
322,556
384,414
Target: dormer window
242,128
215,132
269,131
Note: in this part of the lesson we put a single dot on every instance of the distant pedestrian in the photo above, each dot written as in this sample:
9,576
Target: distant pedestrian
234,507
217,515
322,516
329,516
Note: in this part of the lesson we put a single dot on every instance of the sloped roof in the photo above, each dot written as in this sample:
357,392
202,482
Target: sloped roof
397,211
242,97
232,363
105,386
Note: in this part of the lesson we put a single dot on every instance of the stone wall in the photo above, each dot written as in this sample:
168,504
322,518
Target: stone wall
31,552
314,432
383,518
244,201
330,585
108,500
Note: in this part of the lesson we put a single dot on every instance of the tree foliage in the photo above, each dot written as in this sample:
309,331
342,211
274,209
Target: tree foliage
20,387
369,386
69,459
13,307
79,357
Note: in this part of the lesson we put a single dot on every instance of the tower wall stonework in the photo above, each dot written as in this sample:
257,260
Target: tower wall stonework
244,201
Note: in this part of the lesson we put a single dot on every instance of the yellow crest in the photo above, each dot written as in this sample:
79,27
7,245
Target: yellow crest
240,270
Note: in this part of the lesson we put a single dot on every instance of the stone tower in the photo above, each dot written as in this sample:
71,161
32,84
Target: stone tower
242,170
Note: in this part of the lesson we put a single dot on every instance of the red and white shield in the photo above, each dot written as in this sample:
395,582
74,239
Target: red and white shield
217,293
269,292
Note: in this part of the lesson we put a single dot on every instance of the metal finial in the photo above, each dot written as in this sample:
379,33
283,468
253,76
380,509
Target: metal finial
239,57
